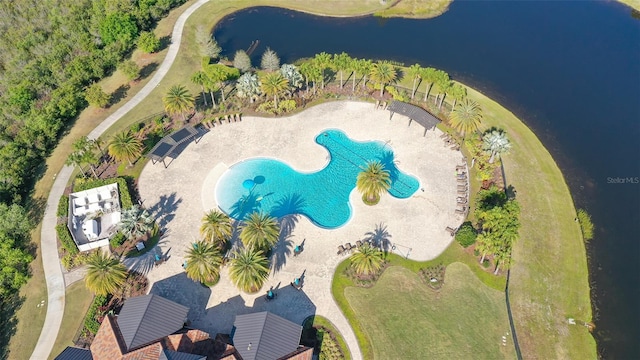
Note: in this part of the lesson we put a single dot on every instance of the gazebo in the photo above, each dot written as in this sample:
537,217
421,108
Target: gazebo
168,145
414,113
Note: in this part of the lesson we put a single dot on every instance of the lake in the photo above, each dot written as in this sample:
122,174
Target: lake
569,69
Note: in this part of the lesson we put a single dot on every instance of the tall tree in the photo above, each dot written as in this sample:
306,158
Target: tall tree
496,143
219,74
216,227
136,222
199,78
429,75
270,60
260,231
372,181
384,73
311,72
249,270
130,69
178,101
208,45
274,84
83,154
341,62
367,260
466,117
365,66
414,73
457,92
323,61
248,86
203,262
105,274
95,96
242,61
125,146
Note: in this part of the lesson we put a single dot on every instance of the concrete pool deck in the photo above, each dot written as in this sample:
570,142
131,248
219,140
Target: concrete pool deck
180,194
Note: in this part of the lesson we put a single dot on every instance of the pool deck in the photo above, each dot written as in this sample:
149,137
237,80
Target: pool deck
180,194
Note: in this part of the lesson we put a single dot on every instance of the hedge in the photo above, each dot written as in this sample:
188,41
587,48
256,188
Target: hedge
65,239
123,188
63,206
91,319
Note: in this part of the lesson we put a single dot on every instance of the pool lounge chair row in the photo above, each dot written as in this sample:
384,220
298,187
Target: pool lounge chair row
219,120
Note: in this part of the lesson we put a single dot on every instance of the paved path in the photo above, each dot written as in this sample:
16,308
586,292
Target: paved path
50,262
179,195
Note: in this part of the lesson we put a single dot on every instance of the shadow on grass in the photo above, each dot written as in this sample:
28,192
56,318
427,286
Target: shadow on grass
165,41
118,94
147,70
9,305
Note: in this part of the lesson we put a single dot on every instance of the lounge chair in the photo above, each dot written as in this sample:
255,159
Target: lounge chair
377,104
348,247
341,250
444,135
358,243
458,211
451,230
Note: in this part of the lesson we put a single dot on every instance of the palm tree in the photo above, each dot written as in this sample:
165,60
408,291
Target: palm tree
368,260
178,101
429,75
496,143
105,274
83,154
203,262
136,222
125,147
260,231
248,86
341,62
415,73
218,75
457,92
273,84
323,61
270,60
466,117
365,68
216,227
293,76
485,246
249,270
372,181
199,78
384,73
311,72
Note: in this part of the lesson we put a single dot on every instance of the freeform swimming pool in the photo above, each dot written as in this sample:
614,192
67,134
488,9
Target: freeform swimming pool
272,186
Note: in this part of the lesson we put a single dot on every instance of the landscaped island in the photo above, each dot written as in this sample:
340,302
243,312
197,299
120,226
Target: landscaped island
549,282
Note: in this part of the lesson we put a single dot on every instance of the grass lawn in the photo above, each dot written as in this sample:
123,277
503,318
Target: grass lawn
635,4
549,277
78,299
403,318
416,8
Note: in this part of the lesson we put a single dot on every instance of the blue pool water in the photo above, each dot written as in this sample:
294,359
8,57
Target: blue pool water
271,186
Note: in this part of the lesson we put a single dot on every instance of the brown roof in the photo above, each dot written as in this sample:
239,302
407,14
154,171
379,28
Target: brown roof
107,344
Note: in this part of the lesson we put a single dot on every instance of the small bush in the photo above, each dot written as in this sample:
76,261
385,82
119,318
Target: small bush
130,69
329,347
585,224
266,107
95,96
433,276
148,42
91,319
65,239
117,240
63,206
286,106
466,234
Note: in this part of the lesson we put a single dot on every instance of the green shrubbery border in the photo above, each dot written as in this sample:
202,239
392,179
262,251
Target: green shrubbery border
90,320
65,239
63,206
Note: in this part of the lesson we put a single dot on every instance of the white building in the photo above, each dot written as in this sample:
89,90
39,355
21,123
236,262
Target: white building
93,216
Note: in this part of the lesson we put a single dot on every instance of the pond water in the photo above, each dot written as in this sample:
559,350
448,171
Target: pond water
569,69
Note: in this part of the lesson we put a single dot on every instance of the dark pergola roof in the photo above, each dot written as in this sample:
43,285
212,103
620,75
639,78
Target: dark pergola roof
415,113
169,143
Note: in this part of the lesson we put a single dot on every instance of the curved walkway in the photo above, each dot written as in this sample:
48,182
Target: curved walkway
48,245
178,196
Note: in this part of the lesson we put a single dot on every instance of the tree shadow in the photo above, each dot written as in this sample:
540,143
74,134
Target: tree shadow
379,237
9,305
164,210
118,94
165,41
511,192
184,291
144,263
246,205
287,210
387,158
147,70
35,209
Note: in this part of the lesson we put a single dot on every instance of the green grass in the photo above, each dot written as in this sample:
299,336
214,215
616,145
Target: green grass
634,4
403,318
549,278
78,299
324,322
422,9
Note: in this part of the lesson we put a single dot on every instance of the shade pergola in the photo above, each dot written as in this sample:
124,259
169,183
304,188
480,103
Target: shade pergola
414,113
167,146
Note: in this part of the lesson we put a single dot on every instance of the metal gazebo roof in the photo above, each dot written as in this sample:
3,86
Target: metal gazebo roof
168,144
415,113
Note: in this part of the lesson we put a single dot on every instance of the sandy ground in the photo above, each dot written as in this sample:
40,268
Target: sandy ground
180,194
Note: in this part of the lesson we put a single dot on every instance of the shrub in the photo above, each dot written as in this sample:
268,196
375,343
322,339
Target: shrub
65,239
130,69
123,188
286,106
63,206
117,240
585,224
329,347
95,96
148,42
433,276
466,234
266,107
91,319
